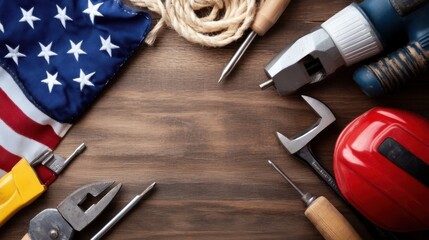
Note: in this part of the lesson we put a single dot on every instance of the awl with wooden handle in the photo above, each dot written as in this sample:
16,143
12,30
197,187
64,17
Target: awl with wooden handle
267,15
331,224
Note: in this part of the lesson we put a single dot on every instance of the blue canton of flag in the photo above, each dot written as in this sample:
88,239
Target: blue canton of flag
56,56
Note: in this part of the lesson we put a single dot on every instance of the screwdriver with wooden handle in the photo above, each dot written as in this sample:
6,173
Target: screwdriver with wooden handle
331,224
267,15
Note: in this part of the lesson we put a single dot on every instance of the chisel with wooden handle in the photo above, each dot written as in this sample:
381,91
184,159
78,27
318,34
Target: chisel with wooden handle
331,224
267,15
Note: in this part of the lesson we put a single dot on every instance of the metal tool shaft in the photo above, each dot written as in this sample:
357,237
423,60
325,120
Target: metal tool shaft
286,177
122,213
237,56
307,198
324,216
57,163
76,153
266,84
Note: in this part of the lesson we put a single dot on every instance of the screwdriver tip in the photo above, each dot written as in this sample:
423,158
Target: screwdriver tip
222,77
236,57
81,147
148,189
152,185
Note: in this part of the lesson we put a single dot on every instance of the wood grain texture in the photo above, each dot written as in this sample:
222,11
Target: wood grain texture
268,14
166,119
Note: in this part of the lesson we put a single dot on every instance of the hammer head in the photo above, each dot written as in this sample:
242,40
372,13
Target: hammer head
298,142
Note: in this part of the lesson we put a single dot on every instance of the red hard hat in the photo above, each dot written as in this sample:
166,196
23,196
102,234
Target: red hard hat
381,164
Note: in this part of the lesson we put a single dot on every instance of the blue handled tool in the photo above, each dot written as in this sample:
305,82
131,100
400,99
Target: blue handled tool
402,19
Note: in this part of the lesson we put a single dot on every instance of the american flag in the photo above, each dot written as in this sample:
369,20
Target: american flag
56,56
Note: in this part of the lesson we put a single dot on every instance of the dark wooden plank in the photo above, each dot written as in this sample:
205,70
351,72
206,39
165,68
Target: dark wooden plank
166,119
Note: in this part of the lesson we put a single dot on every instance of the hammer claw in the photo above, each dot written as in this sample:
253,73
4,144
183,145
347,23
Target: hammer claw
298,142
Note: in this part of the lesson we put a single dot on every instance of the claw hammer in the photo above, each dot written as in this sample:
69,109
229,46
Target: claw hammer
299,146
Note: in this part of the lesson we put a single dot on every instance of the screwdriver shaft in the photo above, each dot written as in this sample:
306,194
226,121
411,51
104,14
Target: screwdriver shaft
267,15
331,224
237,56
286,177
76,153
266,84
122,213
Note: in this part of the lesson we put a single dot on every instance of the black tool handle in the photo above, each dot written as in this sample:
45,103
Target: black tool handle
307,156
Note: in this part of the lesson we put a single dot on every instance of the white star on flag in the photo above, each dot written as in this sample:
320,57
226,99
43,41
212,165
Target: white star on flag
83,79
46,51
14,53
75,49
46,86
107,45
92,10
62,16
27,16
51,80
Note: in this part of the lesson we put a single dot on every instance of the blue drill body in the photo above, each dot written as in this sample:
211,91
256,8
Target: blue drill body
396,27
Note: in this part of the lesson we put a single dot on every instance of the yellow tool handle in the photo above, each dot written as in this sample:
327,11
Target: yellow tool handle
268,14
329,221
18,188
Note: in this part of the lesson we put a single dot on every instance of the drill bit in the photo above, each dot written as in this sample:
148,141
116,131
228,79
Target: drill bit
264,20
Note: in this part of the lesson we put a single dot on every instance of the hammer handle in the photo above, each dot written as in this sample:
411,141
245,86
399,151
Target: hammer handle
331,224
268,14
307,156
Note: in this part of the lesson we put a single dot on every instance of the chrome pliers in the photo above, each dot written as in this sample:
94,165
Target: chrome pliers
62,222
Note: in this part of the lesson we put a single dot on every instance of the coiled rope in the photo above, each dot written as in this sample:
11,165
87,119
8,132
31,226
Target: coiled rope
212,23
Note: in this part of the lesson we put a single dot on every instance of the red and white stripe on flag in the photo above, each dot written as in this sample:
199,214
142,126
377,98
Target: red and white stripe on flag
25,131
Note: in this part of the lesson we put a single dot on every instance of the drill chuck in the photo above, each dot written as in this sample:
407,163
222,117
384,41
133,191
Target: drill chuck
356,33
344,39
308,60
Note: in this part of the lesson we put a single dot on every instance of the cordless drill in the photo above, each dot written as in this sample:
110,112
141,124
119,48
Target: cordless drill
358,32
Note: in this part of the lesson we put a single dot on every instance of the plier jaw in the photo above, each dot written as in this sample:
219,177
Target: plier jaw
61,223
70,208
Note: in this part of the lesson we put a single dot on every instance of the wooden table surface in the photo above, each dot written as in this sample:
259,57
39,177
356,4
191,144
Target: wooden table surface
166,119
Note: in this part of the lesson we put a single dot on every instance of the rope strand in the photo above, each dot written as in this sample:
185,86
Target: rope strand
226,22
